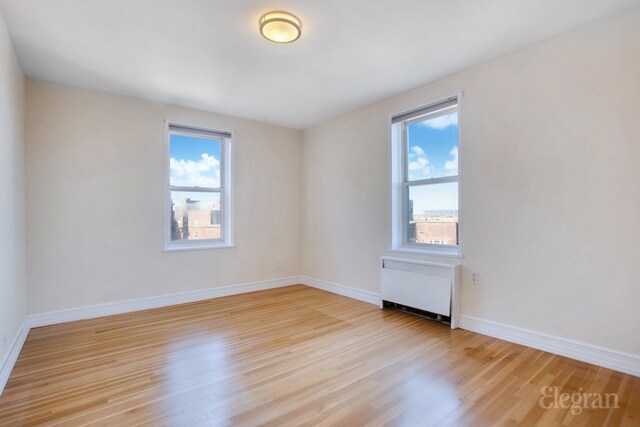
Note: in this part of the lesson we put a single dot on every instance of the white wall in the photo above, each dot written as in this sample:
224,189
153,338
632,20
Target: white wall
13,291
551,186
95,198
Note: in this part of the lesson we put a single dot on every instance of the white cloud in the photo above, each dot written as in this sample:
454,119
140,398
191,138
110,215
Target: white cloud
189,173
418,161
441,122
420,164
417,151
452,165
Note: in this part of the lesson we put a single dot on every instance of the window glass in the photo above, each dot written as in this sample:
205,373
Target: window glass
432,147
195,215
432,214
194,162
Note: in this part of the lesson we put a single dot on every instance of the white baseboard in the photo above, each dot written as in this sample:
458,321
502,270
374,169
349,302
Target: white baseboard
12,355
120,307
108,309
347,291
628,363
608,358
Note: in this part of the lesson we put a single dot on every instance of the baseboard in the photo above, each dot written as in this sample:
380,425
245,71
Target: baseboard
627,363
616,360
347,291
108,309
12,355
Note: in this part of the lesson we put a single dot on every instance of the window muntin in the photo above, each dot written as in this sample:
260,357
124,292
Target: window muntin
428,186
198,188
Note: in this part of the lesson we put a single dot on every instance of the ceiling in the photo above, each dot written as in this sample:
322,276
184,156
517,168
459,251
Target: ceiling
208,54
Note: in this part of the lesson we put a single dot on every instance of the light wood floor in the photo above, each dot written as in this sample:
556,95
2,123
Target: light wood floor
293,356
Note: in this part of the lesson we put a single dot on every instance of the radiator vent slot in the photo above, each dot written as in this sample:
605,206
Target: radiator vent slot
417,312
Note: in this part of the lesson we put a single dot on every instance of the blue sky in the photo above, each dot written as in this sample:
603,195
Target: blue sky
436,197
433,146
194,162
433,152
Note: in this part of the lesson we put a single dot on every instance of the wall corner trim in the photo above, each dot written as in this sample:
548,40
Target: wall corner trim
627,363
12,355
347,291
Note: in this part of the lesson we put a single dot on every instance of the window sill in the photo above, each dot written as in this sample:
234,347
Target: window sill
197,247
435,252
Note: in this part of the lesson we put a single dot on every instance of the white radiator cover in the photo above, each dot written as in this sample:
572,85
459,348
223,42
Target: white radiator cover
424,285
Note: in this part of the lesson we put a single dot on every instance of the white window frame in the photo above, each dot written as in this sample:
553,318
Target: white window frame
225,188
400,183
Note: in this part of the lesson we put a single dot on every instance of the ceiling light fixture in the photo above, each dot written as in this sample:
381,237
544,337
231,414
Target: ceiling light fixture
280,27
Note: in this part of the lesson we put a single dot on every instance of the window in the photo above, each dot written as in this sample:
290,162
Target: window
198,210
425,179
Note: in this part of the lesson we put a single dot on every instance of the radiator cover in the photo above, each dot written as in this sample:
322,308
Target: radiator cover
427,286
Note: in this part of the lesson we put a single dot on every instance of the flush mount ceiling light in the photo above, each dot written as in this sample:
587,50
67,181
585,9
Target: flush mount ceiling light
280,27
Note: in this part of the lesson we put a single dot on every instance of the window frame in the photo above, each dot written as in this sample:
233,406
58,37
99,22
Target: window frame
225,187
400,183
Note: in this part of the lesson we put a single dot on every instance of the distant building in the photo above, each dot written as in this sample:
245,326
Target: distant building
191,222
439,233
201,226
411,225
433,227
215,217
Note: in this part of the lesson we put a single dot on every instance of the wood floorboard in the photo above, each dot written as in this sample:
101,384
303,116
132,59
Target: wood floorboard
295,356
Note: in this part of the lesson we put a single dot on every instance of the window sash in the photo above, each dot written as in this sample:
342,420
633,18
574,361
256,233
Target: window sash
405,143
200,241
195,189
196,134
405,212
432,181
